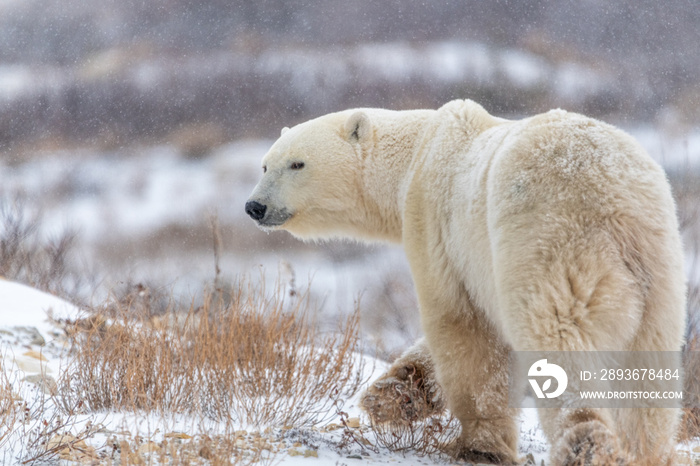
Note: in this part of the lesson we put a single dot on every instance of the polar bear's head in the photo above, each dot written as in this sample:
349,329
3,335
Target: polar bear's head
311,176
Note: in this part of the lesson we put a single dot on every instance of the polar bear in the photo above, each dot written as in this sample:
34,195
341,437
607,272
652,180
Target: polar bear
555,232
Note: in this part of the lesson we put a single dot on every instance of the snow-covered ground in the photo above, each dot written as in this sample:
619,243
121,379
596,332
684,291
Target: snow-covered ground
34,358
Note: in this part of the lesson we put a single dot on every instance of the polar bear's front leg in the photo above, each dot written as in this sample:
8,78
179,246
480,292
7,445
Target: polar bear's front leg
471,359
471,364
408,392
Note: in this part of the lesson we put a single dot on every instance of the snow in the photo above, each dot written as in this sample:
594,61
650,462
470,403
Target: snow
14,79
523,69
456,60
573,81
672,151
28,314
395,61
25,308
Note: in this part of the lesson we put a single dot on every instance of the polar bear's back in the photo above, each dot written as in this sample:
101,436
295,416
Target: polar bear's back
568,161
579,212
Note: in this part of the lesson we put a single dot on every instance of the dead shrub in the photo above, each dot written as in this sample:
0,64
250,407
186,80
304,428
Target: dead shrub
33,431
229,448
27,256
686,191
10,409
427,437
243,356
690,423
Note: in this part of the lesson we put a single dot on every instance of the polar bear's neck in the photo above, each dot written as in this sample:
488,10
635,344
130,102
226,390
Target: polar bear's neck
401,142
385,171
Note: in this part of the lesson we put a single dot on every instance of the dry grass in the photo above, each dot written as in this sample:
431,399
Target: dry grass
249,358
243,358
175,448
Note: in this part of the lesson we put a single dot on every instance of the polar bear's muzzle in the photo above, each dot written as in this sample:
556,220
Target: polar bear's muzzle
266,216
256,210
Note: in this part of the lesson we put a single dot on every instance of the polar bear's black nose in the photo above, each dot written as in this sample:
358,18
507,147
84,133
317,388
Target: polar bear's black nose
255,209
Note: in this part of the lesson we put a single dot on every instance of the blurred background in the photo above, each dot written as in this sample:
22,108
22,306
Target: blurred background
129,128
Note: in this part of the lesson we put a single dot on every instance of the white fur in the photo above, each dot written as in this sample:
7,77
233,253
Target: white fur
556,232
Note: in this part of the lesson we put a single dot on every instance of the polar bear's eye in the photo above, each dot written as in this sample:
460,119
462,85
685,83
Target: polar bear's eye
264,168
297,165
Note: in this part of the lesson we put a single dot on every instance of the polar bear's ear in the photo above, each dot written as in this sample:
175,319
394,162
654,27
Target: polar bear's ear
284,130
358,127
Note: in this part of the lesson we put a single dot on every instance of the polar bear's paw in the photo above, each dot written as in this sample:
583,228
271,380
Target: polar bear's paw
588,444
482,457
484,448
408,392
